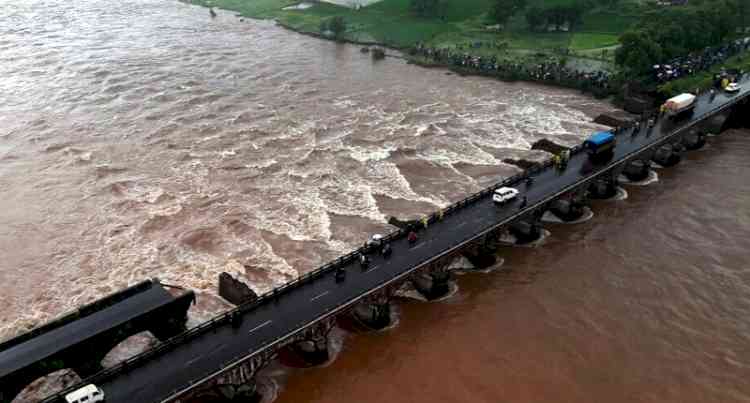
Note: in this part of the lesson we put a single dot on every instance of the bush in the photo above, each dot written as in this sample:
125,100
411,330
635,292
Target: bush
336,25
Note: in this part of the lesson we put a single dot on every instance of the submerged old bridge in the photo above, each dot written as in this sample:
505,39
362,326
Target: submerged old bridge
297,317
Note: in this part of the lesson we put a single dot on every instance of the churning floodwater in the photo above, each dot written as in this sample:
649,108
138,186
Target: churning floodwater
646,302
144,139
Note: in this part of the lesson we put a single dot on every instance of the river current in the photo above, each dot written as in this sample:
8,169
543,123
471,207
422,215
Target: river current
144,139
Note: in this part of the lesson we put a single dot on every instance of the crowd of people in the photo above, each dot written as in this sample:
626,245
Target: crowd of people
700,61
552,70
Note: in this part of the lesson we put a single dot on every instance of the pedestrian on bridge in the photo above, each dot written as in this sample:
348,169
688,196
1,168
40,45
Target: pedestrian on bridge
425,222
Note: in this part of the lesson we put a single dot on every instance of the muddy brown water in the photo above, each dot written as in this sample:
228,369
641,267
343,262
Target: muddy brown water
144,139
646,302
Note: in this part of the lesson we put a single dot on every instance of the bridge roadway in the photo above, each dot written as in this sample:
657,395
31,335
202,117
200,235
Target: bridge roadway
17,354
167,375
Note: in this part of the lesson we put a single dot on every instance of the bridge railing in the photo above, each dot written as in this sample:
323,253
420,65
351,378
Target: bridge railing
76,314
269,296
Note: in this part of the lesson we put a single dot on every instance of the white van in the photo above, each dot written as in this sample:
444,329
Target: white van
87,394
504,194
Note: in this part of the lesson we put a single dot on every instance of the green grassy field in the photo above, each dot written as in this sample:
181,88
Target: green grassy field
391,23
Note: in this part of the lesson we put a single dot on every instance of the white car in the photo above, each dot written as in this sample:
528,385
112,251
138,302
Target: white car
87,394
504,194
732,87
375,240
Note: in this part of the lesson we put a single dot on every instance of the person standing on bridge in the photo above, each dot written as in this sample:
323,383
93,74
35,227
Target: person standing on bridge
524,201
425,222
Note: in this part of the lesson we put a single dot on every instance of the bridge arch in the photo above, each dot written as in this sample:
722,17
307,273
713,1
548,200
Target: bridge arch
46,385
129,347
83,361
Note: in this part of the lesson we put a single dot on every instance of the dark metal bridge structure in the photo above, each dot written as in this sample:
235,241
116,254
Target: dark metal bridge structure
81,339
233,346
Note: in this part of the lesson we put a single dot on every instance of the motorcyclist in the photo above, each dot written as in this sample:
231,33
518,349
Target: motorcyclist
412,237
387,250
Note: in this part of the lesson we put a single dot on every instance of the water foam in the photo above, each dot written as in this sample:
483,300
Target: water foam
652,177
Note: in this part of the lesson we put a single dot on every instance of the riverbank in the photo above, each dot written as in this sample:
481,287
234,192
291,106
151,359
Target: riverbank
460,23
704,80
461,40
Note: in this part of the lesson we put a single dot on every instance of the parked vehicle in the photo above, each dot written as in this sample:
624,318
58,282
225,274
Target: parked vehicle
504,194
600,145
680,105
87,394
732,87
376,240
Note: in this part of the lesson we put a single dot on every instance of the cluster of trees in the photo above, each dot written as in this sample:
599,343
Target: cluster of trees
540,17
502,10
426,8
555,17
676,31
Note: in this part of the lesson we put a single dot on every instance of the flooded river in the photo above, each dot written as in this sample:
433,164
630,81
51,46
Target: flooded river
144,139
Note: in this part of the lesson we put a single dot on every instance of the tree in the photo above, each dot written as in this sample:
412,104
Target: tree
536,18
337,26
425,8
502,10
574,14
638,52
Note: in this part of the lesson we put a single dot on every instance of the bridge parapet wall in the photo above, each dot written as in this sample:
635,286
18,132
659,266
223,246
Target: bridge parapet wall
85,358
276,340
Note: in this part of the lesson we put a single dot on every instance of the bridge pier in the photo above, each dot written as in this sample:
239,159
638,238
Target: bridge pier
716,124
312,352
694,140
603,188
238,384
568,210
309,348
667,156
525,232
433,285
374,316
483,252
481,257
637,170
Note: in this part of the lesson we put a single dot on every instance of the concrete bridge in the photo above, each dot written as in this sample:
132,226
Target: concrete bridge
81,339
296,318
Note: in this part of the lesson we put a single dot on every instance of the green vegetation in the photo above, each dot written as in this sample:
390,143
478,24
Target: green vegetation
502,10
625,36
578,25
677,31
335,25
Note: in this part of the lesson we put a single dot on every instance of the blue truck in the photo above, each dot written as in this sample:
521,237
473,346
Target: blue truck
600,145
